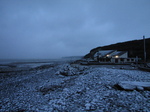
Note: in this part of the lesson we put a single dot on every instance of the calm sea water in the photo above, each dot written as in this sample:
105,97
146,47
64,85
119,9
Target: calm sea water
7,61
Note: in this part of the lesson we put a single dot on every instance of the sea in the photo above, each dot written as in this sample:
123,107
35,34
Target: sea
10,61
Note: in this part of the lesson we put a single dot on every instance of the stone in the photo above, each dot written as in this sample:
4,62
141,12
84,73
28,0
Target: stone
125,86
57,73
93,107
63,72
99,82
47,88
87,106
139,88
68,70
66,89
109,87
133,85
61,76
121,67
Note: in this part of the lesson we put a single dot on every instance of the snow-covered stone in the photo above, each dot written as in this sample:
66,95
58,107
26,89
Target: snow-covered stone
47,88
87,106
67,70
126,86
139,88
89,89
132,85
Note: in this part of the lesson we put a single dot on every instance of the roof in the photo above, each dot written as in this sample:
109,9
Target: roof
104,52
119,53
111,51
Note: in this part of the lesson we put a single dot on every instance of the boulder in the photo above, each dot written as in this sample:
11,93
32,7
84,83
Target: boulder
68,70
139,88
46,88
133,85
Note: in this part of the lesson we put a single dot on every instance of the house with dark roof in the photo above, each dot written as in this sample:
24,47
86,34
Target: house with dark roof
113,56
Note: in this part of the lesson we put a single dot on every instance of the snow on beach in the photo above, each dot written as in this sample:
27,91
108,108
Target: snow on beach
66,87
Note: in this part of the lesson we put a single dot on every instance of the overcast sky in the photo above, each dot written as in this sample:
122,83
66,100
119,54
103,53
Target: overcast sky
57,28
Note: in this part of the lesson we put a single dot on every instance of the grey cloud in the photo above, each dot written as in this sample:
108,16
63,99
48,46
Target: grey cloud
56,28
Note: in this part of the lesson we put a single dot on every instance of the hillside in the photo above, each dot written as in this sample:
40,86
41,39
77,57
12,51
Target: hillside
134,48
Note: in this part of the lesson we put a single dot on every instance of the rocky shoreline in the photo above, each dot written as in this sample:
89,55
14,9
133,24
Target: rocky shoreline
66,87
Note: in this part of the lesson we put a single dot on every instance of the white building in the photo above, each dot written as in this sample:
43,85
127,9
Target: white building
113,56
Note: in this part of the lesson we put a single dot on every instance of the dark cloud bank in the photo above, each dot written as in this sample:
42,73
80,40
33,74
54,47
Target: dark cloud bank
57,28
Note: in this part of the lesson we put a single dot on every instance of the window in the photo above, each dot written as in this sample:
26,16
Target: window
128,59
132,59
122,60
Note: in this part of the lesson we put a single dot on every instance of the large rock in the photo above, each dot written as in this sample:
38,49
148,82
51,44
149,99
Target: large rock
133,85
68,70
46,88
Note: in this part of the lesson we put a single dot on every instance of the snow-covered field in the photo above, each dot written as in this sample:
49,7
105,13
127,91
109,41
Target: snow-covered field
72,88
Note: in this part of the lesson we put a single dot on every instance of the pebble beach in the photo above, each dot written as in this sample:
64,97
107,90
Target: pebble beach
66,87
